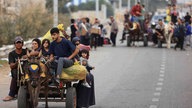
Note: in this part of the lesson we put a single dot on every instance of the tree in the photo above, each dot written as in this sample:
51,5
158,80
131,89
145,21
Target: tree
32,23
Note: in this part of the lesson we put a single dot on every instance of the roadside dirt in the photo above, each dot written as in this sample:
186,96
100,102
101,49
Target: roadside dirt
4,69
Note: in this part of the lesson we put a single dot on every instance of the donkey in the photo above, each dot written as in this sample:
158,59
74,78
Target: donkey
35,67
134,31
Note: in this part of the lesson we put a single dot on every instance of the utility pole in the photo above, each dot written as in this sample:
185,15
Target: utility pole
120,4
97,8
104,11
55,13
128,5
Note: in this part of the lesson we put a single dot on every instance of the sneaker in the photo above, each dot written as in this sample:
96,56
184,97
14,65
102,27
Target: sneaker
86,85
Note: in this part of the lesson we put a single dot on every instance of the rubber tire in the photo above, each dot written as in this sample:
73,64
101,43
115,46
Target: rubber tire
128,41
71,98
145,41
159,44
22,98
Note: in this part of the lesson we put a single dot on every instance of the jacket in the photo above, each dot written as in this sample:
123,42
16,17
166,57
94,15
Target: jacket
189,30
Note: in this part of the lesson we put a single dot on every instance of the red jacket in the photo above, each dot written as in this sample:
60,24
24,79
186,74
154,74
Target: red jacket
136,10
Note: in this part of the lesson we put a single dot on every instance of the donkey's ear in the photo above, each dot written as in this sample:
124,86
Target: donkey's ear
28,55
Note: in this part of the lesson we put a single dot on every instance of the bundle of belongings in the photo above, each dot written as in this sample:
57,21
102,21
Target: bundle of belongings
75,72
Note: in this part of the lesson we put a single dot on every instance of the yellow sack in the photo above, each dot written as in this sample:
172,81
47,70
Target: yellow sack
48,34
75,72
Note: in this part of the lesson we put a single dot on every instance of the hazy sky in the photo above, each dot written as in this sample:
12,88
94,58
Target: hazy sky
183,1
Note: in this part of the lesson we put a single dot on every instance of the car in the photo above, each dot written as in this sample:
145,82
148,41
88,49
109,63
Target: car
156,17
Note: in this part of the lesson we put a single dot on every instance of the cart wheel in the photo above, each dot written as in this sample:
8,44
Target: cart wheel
22,101
145,41
128,41
159,44
71,98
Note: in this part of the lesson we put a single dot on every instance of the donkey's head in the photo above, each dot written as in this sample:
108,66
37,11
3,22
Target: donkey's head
34,70
34,74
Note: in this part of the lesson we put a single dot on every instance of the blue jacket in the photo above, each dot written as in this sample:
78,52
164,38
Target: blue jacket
189,30
179,30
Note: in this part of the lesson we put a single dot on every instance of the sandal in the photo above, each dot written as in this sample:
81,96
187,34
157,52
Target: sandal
8,98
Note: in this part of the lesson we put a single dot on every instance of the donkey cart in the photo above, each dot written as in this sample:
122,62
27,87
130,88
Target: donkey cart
36,88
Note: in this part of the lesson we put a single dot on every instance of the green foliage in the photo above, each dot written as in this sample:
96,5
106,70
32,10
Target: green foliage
2,62
32,23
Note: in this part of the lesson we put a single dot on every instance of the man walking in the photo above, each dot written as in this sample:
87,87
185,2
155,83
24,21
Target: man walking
114,30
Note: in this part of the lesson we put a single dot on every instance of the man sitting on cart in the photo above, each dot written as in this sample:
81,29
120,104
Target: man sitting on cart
61,51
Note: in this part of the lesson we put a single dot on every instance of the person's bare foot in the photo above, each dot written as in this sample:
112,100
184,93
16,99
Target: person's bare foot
8,98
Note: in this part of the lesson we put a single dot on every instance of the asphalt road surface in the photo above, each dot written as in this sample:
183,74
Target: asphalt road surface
134,77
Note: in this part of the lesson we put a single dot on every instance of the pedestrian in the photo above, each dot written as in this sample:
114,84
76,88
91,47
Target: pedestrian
125,32
188,39
187,18
74,29
88,36
13,57
141,18
180,33
95,32
126,16
168,13
103,33
85,95
83,32
174,14
114,30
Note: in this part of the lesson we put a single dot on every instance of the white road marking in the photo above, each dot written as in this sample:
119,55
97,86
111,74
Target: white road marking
161,75
155,99
161,79
163,65
158,89
162,68
157,94
153,106
159,83
163,62
162,71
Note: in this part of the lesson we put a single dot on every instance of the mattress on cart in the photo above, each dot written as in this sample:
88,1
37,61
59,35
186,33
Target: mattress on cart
75,72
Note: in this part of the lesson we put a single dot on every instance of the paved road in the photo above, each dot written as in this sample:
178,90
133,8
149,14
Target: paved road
135,77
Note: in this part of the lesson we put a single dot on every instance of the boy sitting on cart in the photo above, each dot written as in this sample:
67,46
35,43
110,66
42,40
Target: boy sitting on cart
61,51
